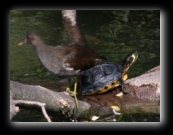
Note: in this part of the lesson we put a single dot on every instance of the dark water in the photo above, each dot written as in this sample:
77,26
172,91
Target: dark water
112,34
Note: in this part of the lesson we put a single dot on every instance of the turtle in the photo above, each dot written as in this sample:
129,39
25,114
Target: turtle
105,76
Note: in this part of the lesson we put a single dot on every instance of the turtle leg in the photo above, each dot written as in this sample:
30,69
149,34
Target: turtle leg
122,87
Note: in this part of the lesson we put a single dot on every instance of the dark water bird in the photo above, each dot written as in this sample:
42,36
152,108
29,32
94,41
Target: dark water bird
63,60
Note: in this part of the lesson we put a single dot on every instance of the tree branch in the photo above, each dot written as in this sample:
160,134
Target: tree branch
56,101
42,105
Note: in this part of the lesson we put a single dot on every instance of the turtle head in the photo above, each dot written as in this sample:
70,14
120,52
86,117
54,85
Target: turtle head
129,60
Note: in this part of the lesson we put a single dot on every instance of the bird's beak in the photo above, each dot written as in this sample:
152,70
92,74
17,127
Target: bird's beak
22,42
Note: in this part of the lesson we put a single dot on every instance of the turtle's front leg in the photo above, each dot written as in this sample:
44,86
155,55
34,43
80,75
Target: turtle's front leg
122,87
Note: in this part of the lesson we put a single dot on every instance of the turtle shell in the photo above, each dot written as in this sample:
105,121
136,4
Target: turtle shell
96,79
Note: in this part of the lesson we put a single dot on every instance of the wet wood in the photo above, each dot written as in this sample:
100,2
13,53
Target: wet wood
146,84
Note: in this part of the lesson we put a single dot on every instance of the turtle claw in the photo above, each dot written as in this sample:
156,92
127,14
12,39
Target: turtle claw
120,94
126,91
